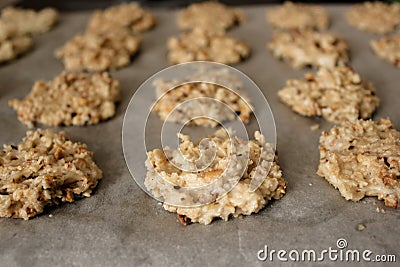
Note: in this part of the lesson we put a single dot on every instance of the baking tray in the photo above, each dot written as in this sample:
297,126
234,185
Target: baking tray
122,226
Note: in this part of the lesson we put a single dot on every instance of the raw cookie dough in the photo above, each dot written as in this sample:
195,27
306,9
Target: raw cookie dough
16,21
337,94
69,99
209,15
169,100
215,46
388,48
236,202
99,51
309,48
12,47
129,15
44,169
361,159
375,17
292,16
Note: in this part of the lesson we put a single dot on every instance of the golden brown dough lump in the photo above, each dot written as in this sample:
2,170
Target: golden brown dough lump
93,51
209,15
375,17
298,16
128,15
337,94
70,99
44,169
361,158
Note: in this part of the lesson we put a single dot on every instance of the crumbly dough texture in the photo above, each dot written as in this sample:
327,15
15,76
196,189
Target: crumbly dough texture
375,17
204,45
209,15
297,16
17,22
99,51
13,47
338,94
236,202
388,49
44,169
309,48
169,99
69,99
361,159
128,15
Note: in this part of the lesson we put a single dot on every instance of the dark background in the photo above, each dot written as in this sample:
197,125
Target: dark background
71,5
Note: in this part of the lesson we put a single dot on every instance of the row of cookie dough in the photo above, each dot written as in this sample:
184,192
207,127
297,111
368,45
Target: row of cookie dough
375,17
46,168
17,26
111,38
302,46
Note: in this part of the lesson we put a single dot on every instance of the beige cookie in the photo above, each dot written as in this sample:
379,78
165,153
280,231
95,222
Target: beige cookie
309,48
292,16
27,21
99,51
12,47
388,48
205,45
44,169
219,103
129,15
375,17
69,99
361,159
209,15
338,94
167,181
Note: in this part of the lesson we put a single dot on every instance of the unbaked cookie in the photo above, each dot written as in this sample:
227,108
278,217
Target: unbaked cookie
309,48
129,15
99,51
166,180
44,169
69,99
215,46
337,94
26,21
361,159
212,106
388,48
291,16
12,47
209,15
376,17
